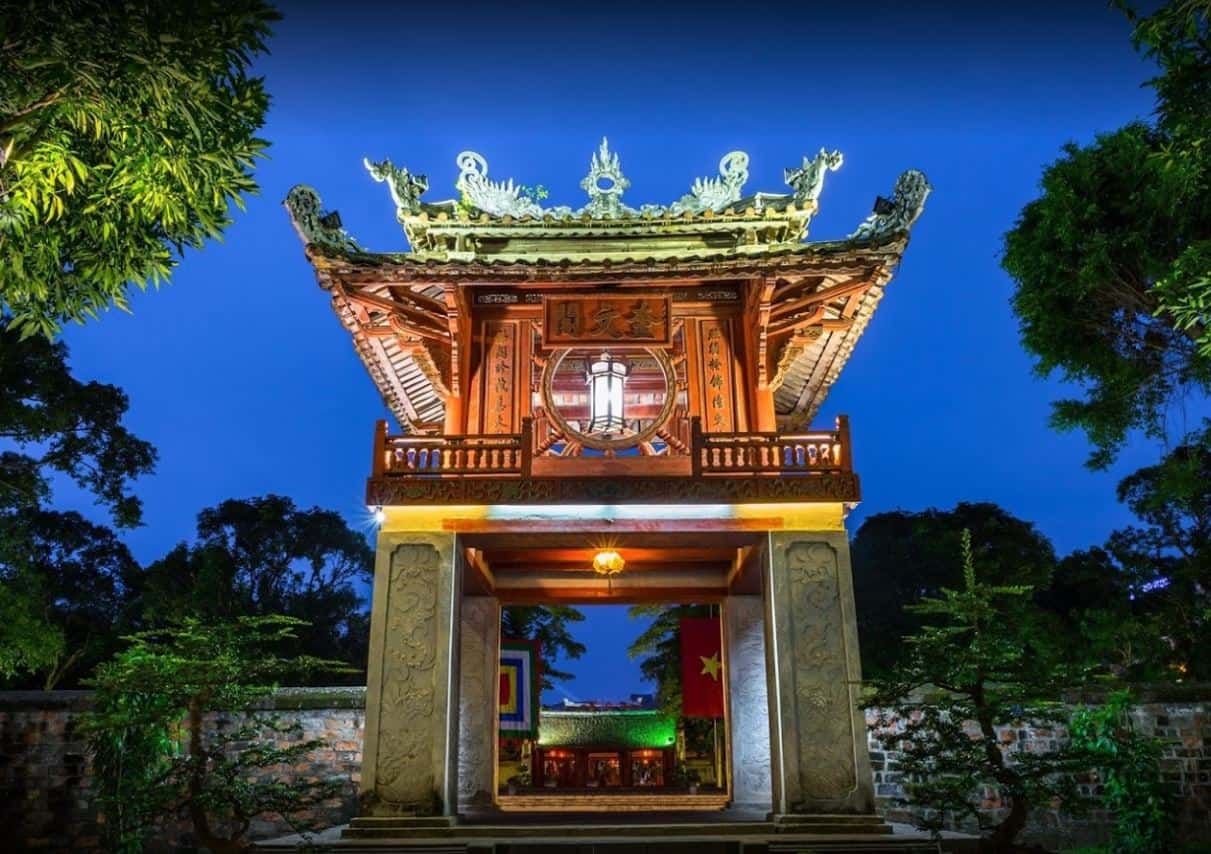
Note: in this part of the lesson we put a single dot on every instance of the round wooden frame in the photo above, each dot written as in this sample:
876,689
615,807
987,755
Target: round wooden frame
596,443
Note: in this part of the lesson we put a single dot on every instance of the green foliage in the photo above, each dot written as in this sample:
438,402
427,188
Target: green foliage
59,573
1168,556
1112,263
55,424
73,576
1128,768
973,651
902,556
262,556
550,625
127,132
659,649
175,730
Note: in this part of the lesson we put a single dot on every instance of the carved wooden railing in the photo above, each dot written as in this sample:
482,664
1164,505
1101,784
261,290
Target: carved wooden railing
506,454
772,453
511,454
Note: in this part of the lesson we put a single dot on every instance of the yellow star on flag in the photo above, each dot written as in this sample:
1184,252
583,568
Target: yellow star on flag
711,666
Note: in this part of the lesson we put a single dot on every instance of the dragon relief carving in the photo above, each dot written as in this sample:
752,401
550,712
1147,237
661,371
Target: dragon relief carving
315,225
823,707
898,213
807,180
407,710
405,188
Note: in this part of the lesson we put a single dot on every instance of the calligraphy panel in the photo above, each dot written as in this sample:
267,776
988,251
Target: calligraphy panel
617,321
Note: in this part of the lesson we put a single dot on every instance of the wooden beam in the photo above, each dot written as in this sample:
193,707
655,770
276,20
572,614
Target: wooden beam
848,288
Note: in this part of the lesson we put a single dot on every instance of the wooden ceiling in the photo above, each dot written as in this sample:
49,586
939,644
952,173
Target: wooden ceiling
660,567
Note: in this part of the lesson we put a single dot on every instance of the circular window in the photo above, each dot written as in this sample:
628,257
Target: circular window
609,400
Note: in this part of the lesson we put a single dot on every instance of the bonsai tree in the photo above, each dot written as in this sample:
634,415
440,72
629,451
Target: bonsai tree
176,730
976,654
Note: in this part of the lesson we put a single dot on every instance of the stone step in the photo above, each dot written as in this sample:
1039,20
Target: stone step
829,823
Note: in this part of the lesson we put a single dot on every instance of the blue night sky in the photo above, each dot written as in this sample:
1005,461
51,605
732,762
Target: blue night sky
242,377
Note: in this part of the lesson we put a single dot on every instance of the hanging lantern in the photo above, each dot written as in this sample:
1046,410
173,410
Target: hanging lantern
608,562
606,379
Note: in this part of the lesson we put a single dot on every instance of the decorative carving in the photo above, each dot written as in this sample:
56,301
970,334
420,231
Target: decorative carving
808,180
898,213
494,197
718,410
616,321
498,377
404,773
477,702
819,674
406,188
748,701
605,185
714,193
315,225
401,490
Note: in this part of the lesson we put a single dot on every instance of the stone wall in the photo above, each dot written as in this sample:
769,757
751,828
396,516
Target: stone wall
1184,725
46,785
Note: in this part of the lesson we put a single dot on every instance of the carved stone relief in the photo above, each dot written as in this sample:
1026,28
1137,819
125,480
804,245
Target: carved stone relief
748,702
479,654
822,745
407,729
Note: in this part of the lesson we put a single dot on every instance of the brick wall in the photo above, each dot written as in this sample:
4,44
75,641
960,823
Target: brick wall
45,776
1185,727
46,785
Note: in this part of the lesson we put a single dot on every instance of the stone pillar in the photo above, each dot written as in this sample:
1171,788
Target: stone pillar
478,695
748,705
818,733
409,763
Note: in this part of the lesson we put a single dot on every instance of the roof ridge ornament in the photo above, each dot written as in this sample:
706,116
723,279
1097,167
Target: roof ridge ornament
605,184
808,180
501,198
898,213
315,225
406,188
717,193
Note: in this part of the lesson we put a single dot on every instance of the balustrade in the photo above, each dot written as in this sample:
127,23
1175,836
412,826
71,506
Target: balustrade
511,454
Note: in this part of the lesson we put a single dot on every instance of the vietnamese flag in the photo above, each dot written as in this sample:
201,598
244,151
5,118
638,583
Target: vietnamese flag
701,668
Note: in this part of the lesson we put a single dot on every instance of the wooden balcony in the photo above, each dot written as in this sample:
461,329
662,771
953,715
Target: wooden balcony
520,468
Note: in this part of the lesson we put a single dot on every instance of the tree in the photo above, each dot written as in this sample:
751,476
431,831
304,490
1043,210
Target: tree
900,557
74,575
1112,263
262,556
58,425
550,626
1168,557
58,571
175,729
659,649
988,675
127,130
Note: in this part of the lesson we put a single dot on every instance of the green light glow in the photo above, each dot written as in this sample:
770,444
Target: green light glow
627,730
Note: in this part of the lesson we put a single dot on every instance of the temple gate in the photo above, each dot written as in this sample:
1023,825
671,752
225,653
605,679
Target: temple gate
611,404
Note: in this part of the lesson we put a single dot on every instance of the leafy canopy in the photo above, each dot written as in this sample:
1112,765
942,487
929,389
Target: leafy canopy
1112,263
901,556
550,625
261,556
127,131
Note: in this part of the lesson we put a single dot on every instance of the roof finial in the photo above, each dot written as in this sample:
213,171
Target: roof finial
808,180
605,184
898,213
